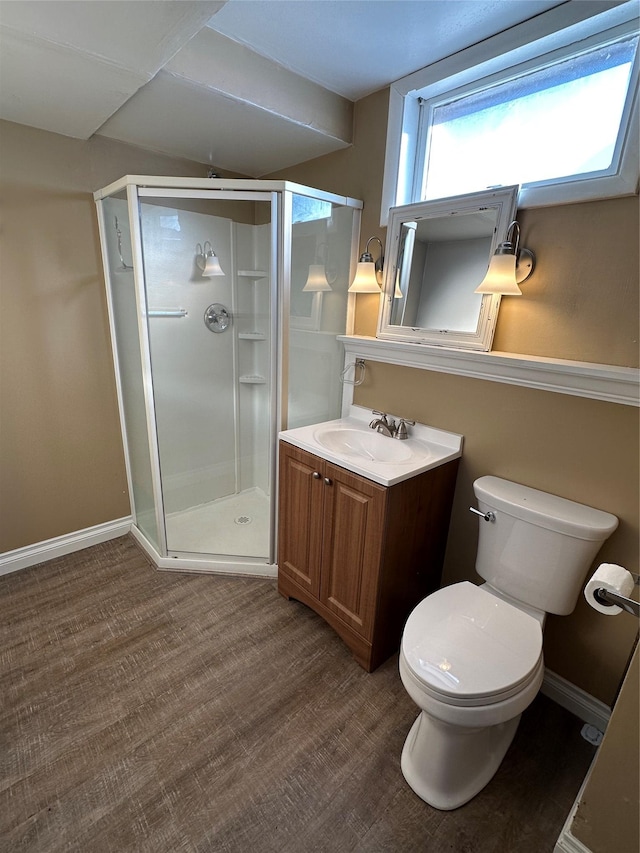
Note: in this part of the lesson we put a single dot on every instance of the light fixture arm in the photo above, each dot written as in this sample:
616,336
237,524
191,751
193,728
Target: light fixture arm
367,278
367,257
207,260
525,259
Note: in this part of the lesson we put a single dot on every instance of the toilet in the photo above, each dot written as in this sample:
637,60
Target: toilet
471,656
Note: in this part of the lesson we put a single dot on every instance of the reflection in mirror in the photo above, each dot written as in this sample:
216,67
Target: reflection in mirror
440,252
443,256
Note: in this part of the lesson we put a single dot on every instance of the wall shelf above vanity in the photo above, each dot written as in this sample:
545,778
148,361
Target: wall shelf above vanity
605,382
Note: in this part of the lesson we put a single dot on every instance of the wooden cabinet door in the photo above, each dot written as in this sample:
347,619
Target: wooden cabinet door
354,510
300,517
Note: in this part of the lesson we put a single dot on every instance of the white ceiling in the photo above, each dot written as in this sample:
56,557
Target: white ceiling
250,86
355,47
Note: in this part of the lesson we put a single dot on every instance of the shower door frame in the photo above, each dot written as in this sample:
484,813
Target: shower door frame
279,194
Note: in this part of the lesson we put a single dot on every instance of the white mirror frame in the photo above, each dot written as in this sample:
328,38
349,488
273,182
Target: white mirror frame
505,201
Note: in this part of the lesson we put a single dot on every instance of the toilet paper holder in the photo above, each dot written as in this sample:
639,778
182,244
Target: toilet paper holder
607,597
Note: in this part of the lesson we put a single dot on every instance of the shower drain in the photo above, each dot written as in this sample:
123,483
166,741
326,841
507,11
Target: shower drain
243,519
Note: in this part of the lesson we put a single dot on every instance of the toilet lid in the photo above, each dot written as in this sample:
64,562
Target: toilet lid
467,645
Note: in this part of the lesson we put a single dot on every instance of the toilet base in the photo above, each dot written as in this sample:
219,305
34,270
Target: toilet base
448,765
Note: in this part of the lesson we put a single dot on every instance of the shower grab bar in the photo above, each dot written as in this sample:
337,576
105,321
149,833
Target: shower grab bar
360,364
167,312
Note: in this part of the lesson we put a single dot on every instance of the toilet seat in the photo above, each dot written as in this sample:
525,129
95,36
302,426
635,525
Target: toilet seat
466,647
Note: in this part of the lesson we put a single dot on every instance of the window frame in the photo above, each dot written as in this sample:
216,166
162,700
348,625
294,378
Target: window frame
560,32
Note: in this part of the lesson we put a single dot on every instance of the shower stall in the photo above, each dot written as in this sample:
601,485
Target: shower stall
225,298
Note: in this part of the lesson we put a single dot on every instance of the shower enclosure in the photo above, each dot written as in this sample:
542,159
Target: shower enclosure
225,299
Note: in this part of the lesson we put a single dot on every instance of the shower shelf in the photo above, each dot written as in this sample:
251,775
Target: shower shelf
253,273
251,336
252,379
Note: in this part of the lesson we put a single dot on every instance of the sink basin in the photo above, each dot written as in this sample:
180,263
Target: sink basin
366,445
351,444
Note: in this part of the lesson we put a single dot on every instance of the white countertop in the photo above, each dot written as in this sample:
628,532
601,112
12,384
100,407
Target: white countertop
351,444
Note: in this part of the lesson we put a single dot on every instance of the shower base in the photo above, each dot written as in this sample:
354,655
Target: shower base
234,526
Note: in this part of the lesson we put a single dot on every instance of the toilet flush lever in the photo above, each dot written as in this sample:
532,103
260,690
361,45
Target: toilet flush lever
488,516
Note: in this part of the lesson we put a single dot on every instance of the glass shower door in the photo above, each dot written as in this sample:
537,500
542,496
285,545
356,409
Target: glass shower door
128,347
211,354
323,235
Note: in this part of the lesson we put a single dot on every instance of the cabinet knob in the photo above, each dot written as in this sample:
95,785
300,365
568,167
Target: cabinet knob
316,475
327,481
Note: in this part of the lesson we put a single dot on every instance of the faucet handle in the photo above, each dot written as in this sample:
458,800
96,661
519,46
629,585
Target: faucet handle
401,430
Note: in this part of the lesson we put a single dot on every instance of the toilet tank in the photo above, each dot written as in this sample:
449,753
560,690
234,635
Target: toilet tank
540,546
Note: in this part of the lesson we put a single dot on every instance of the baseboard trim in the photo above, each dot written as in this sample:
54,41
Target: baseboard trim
567,842
574,699
235,567
31,555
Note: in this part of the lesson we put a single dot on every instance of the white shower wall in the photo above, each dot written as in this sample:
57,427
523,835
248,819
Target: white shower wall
253,338
203,413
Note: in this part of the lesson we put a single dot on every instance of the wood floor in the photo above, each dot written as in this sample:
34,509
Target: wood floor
150,711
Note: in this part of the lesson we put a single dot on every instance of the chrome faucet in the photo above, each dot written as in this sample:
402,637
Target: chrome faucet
387,426
383,424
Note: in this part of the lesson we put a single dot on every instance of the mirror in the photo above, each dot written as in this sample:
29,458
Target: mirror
437,254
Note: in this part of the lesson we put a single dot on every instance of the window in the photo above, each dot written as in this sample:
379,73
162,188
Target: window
306,209
556,118
557,123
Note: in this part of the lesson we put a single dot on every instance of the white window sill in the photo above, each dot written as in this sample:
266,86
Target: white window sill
605,382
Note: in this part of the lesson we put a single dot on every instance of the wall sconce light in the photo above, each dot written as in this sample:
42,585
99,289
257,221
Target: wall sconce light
509,267
316,280
366,278
319,274
207,261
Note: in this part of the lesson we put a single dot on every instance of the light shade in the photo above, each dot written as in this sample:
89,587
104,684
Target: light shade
509,267
207,261
366,280
316,280
501,276
212,266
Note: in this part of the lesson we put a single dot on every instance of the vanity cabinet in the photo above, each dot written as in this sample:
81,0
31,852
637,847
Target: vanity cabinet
360,554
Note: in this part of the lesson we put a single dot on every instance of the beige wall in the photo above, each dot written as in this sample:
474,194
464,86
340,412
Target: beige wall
608,815
581,304
61,459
